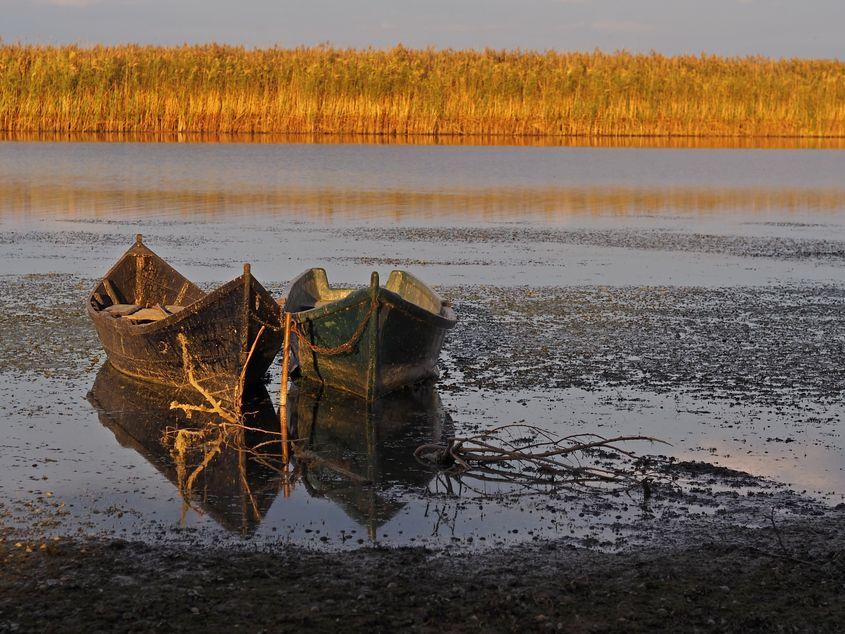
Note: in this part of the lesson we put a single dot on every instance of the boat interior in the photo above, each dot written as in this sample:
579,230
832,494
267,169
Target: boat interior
143,288
312,290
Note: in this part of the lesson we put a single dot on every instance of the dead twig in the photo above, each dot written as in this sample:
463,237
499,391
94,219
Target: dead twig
536,460
216,406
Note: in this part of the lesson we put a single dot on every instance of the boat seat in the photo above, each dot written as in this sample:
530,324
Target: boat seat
134,312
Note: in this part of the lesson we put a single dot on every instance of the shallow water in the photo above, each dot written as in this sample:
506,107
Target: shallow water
693,295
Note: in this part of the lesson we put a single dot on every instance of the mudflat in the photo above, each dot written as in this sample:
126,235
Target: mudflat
717,329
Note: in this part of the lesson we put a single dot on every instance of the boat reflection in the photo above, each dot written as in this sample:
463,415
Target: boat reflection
216,475
359,455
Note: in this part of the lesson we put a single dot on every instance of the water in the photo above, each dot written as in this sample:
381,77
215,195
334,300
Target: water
695,295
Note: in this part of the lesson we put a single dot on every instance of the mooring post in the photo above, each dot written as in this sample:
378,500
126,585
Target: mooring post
283,395
372,342
244,325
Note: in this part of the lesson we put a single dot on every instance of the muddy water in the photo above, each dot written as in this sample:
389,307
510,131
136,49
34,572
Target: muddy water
693,295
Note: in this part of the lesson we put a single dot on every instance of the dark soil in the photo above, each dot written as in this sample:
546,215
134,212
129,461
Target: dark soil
747,580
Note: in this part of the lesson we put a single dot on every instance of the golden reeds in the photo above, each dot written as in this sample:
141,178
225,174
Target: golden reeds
228,90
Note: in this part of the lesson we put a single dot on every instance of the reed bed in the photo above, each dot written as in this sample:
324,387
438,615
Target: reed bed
215,89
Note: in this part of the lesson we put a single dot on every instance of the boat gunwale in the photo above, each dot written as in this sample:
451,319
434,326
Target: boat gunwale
207,300
445,319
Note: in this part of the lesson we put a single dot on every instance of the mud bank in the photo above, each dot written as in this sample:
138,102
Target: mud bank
761,344
741,377
779,247
785,578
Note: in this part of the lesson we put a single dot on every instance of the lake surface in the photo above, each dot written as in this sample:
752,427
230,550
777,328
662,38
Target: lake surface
694,295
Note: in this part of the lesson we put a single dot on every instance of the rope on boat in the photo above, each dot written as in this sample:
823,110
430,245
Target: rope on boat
266,324
296,328
330,351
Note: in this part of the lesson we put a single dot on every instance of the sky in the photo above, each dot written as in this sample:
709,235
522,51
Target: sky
774,28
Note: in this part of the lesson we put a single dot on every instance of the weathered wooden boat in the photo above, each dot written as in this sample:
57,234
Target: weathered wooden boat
232,488
355,452
158,326
367,341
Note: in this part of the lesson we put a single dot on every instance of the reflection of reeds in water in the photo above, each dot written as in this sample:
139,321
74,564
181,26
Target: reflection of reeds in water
324,90
72,200
665,142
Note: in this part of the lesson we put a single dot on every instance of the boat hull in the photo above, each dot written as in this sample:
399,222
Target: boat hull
399,345
221,342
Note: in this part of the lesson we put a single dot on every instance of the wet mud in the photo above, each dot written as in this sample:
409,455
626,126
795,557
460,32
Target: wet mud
787,578
779,247
761,344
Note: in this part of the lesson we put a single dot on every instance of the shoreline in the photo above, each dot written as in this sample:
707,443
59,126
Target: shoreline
743,579
660,142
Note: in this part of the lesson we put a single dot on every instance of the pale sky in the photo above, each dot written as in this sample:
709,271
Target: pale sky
776,28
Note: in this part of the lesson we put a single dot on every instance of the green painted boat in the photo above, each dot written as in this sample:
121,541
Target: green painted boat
366,341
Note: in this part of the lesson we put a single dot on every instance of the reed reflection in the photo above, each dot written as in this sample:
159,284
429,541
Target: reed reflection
71,200
676,141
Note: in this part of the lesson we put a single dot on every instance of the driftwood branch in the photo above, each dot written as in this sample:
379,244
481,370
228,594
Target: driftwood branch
517,458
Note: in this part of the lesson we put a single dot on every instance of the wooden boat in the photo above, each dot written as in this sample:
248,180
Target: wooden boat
156,325
367,341
357,453
233,488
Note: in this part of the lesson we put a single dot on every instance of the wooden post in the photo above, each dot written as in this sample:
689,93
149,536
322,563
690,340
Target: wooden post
244,329
372,342
283,396
371,431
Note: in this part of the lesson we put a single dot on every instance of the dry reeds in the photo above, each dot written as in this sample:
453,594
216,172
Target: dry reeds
227,90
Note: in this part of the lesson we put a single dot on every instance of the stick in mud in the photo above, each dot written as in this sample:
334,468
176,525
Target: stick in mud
283,396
